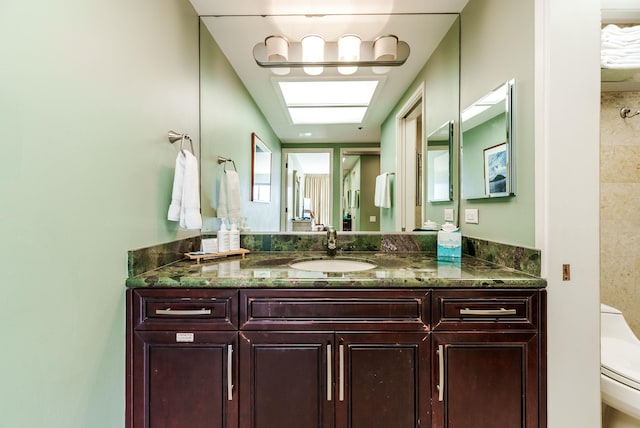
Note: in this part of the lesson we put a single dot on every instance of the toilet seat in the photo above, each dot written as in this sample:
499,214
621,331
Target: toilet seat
620,360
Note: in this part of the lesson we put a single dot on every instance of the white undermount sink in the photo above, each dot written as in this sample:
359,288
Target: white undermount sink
332,265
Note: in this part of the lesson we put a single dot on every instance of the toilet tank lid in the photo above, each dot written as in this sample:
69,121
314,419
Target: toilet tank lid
620,360
606,309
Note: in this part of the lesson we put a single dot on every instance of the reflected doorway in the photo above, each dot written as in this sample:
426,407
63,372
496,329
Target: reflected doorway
410,167
358,171
307,182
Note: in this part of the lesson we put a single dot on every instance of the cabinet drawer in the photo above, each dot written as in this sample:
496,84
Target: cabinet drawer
320,309
195,309
485,309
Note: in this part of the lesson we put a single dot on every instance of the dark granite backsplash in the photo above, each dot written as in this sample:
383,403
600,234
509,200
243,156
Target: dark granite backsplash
519,258
149,258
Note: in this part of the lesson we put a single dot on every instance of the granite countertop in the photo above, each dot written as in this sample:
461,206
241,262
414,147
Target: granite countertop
271,269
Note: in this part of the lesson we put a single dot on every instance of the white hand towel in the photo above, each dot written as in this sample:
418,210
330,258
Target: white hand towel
185,196
229,197
190,217
176,195
382,194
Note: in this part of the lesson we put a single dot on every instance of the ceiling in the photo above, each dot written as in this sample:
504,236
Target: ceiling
240,24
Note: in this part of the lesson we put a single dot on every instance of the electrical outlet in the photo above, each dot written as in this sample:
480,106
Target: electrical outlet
448,214
372,218
471,215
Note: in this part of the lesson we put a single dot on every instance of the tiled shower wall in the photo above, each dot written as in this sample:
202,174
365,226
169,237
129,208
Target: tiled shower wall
620,205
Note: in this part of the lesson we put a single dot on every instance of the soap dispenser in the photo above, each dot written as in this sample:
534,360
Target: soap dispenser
223,238
234,238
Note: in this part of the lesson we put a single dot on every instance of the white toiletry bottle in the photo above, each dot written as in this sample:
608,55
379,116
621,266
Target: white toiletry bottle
234,238
223,238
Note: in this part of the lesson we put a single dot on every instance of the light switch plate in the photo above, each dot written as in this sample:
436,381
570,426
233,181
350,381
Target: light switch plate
471,215
448,214
372,218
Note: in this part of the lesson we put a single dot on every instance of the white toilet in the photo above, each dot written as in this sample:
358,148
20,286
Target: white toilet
619,371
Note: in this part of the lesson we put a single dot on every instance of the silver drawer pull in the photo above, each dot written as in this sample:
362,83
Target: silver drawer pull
183,312
501,311
341,372
329,368
230,372
440,386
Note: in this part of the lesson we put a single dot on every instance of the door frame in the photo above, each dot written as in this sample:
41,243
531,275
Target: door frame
402,183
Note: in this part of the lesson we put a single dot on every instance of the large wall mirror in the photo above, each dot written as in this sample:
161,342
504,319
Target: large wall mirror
237,98
260,170
487,145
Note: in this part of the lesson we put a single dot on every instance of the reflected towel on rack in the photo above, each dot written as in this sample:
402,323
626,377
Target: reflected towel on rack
185,197
229,197
382,195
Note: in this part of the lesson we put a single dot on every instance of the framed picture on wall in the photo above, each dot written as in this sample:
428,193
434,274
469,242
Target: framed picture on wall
496,164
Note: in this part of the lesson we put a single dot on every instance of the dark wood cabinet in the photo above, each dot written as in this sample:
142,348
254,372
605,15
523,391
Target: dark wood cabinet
489,362
184,384
351,358
285,380
181,359
382,380
485,380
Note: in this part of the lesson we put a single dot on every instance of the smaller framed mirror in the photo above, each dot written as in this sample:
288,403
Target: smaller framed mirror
488,167
439,164
260,170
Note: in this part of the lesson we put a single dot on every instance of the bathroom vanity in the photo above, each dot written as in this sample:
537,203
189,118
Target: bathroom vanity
406,344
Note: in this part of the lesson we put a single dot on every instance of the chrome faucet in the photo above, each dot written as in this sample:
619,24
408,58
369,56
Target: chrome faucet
332,241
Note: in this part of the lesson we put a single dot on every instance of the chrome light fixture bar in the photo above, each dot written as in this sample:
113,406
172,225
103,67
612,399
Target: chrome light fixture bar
385,51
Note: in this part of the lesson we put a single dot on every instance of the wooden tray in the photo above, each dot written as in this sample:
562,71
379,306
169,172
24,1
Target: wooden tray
197,256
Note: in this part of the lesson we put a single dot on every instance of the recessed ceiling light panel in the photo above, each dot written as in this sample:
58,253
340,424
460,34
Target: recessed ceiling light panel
327,101
326,115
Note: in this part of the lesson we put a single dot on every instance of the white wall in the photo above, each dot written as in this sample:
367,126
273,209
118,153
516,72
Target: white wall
88,92
567,147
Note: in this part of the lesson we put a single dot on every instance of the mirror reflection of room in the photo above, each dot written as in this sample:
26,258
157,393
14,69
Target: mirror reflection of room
308,184
262,104
359,171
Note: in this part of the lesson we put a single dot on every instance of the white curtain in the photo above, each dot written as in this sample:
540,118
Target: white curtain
316,188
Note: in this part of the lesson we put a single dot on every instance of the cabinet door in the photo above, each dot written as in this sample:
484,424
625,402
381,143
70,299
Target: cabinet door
286,380
382,380
485,380
183,380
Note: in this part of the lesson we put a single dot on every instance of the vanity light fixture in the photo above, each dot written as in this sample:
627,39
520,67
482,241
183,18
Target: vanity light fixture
347,54
277,51
313,52
348,51
385,48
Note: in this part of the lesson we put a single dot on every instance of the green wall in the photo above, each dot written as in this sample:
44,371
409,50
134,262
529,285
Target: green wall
497,41
228,117
89,92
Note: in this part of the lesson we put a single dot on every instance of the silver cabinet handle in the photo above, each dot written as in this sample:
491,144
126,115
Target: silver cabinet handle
183,312
329,386
501,311
341,370
440,353
230,372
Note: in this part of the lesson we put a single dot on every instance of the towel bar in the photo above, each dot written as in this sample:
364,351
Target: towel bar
224,161
175,136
